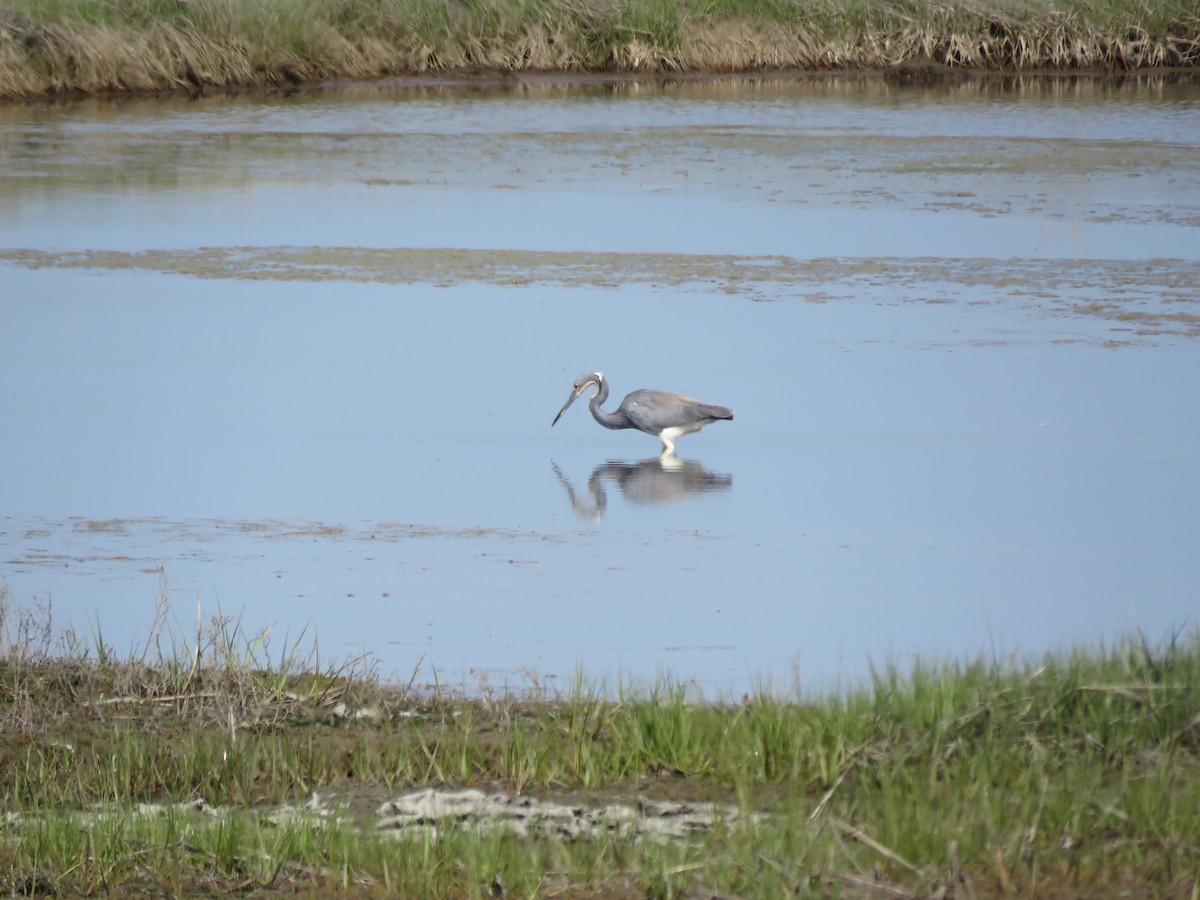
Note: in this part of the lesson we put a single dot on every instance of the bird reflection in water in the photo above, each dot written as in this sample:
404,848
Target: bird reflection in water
648,481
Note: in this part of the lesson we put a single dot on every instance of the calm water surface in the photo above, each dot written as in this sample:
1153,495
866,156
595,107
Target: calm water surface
295,359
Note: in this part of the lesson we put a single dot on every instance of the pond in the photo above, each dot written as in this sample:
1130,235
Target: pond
294,360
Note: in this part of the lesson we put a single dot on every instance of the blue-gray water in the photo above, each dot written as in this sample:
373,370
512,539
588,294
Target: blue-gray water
959,327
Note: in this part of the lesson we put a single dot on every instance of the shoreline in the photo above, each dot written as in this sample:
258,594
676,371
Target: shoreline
897,76
225,763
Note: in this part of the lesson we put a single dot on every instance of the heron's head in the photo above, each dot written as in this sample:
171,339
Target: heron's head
586,380
582,383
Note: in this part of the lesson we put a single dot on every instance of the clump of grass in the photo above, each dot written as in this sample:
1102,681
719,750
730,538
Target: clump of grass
976,778
53,46
217,670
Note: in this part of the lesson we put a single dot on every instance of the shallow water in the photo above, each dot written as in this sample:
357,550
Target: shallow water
296,359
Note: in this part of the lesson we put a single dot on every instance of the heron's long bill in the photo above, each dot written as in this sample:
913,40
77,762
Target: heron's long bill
570,400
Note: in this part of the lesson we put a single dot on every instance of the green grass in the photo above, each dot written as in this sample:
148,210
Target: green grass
1079,771
57,46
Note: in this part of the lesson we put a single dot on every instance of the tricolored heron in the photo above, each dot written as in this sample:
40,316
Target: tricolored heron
667,416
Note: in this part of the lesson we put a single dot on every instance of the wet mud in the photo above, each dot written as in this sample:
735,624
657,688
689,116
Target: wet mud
1134,298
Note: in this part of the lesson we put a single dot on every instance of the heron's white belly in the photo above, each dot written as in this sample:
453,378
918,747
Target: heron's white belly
676,431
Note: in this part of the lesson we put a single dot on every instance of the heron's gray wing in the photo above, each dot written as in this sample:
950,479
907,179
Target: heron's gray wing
655,410
712,411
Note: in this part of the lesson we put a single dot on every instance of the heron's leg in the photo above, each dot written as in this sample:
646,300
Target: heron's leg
668,446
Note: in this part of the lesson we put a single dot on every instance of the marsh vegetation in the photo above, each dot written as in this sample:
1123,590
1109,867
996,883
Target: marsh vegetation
100,46
210,759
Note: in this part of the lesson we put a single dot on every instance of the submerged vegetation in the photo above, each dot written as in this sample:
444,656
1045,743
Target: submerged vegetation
56,46
208,761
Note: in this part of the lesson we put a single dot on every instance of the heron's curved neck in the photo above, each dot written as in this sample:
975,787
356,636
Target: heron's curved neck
608,420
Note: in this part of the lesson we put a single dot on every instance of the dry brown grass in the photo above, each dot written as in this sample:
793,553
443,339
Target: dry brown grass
139,46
